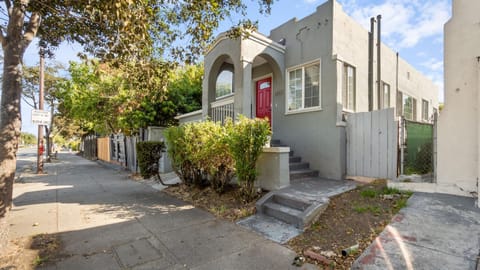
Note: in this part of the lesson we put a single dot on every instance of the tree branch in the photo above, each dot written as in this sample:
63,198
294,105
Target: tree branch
3,39
32,29
8,4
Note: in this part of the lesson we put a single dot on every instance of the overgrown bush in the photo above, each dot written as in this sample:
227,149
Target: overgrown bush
200,155
177,139
246,139
207,152
216,159
148,155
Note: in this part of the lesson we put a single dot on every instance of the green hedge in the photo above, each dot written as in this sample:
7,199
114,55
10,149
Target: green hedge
211,153
148,155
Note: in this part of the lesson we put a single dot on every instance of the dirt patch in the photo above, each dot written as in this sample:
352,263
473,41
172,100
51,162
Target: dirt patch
226,205
30,252
354,217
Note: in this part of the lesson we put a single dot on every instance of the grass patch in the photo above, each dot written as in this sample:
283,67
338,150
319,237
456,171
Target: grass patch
357,216
376,210
401,203
40,260
368,193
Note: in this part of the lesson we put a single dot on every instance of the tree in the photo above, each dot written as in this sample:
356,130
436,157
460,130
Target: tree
28,139
30,93
121,30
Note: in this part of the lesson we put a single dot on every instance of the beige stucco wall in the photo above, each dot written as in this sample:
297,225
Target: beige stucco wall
459,122
350,45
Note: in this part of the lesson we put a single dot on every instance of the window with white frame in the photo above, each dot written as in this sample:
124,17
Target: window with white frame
224,84
348,87
409,107
386,95
424,110
303,87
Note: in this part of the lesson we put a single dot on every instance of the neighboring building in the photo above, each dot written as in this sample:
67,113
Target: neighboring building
459,122
305,77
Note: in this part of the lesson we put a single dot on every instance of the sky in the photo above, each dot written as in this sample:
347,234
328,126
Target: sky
414,28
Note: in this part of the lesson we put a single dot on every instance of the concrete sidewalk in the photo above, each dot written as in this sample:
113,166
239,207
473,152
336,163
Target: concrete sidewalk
434,231
107,221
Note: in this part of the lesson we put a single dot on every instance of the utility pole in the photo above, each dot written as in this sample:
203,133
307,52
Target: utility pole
41,146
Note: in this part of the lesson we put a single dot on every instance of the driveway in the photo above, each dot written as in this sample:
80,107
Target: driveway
107,221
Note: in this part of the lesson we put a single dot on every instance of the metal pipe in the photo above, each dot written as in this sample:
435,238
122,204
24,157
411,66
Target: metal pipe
370,64
379,59
349,250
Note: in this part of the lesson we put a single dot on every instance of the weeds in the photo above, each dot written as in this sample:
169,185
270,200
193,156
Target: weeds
368,193
39,260
369,208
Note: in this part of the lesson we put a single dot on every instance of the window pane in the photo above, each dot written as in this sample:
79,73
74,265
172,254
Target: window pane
408,107
224,85
295,90
348,94
386,95
312,86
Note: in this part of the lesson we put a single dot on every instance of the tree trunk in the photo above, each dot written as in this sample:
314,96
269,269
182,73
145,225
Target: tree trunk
14,44
10,125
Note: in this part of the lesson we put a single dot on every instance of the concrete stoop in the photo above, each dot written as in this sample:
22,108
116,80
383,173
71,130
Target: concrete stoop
292,210
298,168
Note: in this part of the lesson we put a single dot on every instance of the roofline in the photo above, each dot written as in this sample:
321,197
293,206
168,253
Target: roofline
253,36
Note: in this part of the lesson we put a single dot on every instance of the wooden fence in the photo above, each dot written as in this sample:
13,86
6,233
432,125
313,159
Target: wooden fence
103,149
372,144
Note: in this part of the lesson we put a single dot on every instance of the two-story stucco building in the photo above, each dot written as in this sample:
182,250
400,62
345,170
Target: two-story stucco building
306,76
459,122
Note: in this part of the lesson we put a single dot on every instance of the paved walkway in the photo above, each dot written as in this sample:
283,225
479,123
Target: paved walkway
435,231
107,221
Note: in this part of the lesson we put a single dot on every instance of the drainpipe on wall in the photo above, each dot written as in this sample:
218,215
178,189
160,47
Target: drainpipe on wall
370,64
379,60
478,131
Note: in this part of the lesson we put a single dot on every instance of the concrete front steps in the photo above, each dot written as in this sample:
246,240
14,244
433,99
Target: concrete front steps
292,210
298,169
285,213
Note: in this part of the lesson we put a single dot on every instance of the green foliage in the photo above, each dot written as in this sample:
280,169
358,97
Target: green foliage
148,155
27,138
180,152
369,208
246,140
368,193
200,153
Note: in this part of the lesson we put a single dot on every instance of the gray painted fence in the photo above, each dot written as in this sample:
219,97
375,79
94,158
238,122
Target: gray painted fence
372,144
131,152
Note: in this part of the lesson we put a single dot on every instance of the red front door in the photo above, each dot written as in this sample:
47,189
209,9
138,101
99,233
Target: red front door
264,99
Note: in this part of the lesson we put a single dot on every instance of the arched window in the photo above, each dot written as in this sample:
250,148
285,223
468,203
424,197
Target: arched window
224,85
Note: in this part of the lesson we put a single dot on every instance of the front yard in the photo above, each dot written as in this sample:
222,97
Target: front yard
353,217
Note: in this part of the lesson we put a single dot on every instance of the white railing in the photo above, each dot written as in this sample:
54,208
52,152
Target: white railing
222,109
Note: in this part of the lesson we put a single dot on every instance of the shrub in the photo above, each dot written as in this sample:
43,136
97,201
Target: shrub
177,148
199,154
215,157
246,139
148,155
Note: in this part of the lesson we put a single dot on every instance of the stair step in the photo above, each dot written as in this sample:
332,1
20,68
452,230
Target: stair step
274,142
305,173
292,202
283,213
295,159
290,153
299,165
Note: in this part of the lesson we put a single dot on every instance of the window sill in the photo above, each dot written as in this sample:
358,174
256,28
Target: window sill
348,111
313,109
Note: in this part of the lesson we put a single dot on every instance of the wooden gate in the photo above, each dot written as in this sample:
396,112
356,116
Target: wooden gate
372,144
